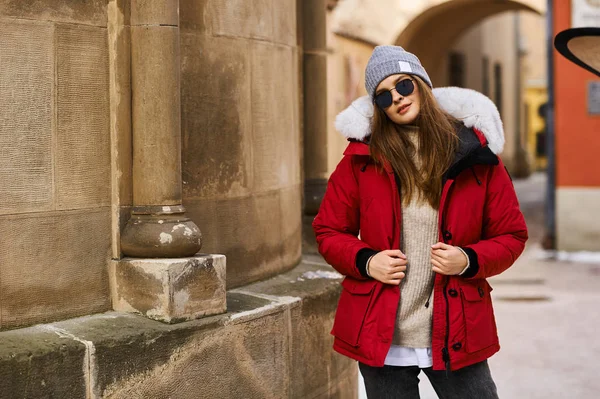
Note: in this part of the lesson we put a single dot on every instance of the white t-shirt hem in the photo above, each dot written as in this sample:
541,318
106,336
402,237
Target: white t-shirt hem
403,356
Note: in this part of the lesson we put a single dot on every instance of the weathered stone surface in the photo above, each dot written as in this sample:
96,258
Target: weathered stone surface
216,117
314,25
126,346
275,131
170,290
167,233
152,12
89,12
249,234
83,135
119,53
41,362
241,138
53,266
249,360
250,19
193,16
253,351
315,116
156,115
314,191
309,241
291,224
311,344
26,116
284,21
312,358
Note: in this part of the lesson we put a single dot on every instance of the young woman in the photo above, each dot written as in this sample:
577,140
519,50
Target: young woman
418,213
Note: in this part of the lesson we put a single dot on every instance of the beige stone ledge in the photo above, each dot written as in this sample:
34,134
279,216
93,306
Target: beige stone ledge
577,218
169,290
273,342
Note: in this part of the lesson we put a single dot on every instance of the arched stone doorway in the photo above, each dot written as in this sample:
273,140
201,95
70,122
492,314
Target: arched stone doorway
423,35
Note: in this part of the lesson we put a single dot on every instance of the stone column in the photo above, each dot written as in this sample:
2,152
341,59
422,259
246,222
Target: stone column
169,283
158,227
314,42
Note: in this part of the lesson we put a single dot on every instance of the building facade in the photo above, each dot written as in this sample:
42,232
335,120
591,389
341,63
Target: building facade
577,123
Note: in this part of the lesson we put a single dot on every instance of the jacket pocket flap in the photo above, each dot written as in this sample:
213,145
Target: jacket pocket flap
474,293
358,287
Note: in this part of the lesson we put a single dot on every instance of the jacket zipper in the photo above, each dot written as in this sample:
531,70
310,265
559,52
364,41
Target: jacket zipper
445,352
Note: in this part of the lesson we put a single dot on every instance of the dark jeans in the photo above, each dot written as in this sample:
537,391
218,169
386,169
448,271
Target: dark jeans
392,382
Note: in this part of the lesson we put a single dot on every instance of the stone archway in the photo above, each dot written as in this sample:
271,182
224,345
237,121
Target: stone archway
391,21
455,16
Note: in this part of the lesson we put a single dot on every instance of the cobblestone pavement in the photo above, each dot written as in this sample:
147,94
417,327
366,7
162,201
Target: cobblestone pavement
548,319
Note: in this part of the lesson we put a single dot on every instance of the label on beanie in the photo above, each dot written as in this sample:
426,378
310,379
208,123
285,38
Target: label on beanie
405,66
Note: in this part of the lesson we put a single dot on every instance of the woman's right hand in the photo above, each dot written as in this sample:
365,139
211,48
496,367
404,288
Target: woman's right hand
388,266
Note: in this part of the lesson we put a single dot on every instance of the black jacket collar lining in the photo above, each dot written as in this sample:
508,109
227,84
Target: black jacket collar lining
469,153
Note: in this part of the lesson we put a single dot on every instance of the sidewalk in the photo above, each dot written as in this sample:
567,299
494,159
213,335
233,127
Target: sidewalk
548,319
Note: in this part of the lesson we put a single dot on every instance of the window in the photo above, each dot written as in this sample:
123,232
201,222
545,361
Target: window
456,72
485,69
498,86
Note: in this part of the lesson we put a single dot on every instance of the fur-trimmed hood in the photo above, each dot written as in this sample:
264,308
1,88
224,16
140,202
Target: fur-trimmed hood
474,109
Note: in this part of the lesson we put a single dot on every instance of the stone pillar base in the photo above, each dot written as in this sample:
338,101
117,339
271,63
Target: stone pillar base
160,232
314,191
309,242
170,290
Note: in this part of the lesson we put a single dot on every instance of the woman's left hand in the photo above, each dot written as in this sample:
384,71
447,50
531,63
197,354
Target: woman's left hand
447,259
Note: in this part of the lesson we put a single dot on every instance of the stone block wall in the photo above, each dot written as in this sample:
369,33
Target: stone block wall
274,343
55,172
241,132
65,137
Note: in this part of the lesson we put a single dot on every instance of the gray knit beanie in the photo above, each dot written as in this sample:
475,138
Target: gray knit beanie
390,60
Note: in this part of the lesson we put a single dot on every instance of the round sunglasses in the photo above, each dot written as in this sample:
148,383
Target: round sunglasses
405,87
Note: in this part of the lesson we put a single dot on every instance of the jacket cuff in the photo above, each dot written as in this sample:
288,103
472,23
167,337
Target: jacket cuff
362,257
473,268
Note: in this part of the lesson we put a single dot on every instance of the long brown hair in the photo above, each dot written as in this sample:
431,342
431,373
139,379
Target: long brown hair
437,143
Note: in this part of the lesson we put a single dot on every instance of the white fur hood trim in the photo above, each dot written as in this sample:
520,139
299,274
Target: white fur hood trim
474,109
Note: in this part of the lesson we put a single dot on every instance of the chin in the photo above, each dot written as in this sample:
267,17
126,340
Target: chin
404,119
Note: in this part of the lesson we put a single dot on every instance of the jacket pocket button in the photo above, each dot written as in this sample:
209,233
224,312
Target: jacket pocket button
452,292
457,346
447,235
481,292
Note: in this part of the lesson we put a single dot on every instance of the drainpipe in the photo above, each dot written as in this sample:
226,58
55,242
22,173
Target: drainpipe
550,235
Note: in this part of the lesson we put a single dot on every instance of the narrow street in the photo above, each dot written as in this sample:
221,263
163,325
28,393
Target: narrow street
548,319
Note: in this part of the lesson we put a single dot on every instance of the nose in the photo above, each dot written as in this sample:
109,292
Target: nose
395,96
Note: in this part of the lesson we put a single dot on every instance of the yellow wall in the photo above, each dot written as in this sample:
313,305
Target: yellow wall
534,97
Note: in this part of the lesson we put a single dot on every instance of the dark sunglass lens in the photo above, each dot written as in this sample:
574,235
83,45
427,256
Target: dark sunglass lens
384,100
405,87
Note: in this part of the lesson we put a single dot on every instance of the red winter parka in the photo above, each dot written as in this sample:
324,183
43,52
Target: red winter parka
478,212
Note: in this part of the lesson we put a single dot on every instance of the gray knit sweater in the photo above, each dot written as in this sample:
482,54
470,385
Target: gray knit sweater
419,233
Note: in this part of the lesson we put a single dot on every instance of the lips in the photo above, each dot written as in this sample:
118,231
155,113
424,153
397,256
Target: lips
403,109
